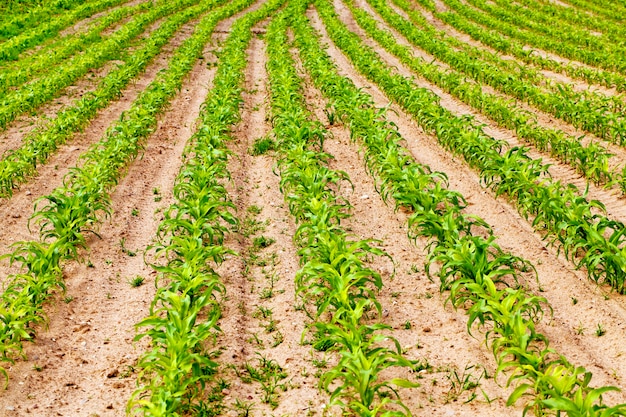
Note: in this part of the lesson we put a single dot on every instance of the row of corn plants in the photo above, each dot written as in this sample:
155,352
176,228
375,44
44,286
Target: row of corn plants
185,311
535,23
547,12
72,212
333,279
49,57
602,8
578,227
591,112
479,275
598,101
11,48
516,48
590,160
16,17
607,60
19,164
43,89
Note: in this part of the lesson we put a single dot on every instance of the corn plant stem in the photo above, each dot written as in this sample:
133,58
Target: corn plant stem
11,49
21,163
333,276
591,161
578,227
74,210
437,214
48,58
32,95
191,239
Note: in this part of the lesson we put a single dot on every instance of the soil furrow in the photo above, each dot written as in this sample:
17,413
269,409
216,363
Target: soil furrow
263,280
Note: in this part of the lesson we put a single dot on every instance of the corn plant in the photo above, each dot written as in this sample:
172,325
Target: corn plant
75,209
516,48
11,49
176,371
29,96
594,241
333,277
21,163
18,17
591,160
588,111
50,56
608,60
479,275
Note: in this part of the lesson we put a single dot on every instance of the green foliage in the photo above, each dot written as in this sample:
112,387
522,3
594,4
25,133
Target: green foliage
333,277
184,313
478,274
261,146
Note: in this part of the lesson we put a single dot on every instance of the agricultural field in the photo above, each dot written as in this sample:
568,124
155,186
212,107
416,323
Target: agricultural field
374,208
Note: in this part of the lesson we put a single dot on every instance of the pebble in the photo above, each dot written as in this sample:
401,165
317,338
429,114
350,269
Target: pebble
9,408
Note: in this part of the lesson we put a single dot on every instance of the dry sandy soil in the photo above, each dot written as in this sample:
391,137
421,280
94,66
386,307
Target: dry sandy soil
83,362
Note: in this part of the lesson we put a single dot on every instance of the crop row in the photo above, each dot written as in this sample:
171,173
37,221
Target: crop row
603,8
73,211
43,89
526,77
538,24
185,312
516,48
479,275
579,227
48,58
11,49
530,74
591,112
551,13
21,163
607,60
591,160
333,276
16,17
